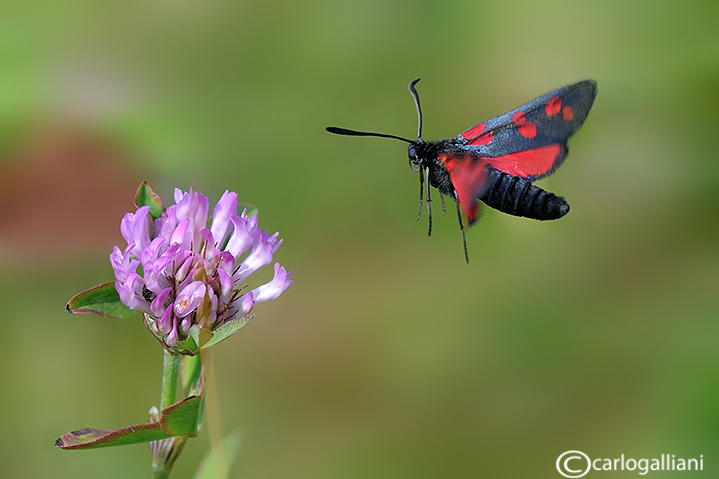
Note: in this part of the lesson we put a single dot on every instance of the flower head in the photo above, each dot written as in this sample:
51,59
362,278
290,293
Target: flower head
185,276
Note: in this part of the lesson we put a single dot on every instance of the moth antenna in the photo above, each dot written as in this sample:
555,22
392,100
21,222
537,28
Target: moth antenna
345,131
413,91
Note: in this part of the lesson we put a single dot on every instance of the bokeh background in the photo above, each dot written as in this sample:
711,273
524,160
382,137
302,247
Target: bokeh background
389,357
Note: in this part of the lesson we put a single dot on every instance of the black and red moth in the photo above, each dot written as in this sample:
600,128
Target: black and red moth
497,161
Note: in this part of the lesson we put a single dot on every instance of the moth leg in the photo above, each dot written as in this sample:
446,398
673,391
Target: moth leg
441,198
429,200
421,192
461,228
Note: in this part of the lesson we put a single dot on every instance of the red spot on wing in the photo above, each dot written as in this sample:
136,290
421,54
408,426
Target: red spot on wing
475,135
534,162
554,106
568,113
474,132
528,130
469,179
484,139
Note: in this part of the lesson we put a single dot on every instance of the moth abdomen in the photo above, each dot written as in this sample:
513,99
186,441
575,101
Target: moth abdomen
519,197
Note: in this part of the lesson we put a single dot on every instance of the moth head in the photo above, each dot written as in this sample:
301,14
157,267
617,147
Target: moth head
415,162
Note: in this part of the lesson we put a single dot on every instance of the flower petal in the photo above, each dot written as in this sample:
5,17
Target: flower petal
158,305
244,235
243,305
260,255
225,285
274,288
166,223
165,323
224,209
179,236
152,251
193,207
210,250
135,229
189,298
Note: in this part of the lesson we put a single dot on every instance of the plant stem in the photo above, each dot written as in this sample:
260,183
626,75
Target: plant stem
170,366
161,473
162,464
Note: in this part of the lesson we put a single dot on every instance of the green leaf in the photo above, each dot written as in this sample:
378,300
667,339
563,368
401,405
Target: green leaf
190,374
146,197
180,419
103,300
188,346
209,467
95,438
227,330
194,333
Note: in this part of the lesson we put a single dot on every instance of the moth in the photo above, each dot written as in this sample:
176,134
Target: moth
497,161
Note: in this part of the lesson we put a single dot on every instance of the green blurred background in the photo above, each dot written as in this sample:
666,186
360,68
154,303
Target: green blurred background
389,357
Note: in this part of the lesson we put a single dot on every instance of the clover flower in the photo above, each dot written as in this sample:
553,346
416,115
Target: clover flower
186,277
